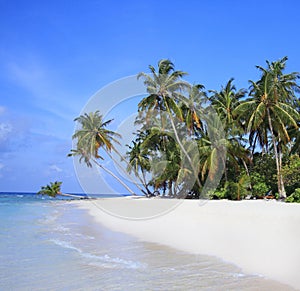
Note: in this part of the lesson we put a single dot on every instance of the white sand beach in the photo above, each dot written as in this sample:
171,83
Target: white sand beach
261,237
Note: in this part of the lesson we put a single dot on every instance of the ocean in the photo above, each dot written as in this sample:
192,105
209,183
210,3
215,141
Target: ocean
50,244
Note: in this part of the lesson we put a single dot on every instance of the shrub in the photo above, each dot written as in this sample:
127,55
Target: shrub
291,174
259,187
294,197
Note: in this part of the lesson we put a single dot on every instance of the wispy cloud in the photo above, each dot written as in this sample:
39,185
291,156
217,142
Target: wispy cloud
14,130
55,168
47,91
5,131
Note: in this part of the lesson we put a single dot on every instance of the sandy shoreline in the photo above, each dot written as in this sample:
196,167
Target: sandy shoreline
261,237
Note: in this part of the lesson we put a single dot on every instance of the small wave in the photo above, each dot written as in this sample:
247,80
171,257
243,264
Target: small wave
66,245
66,231
238,275
87,237
168,269
103,261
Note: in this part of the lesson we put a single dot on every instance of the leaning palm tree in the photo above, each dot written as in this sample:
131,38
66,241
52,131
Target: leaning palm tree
93,136
271,108
54,189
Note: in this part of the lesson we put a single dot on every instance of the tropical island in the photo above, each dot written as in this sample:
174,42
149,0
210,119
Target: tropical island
214,144
212,147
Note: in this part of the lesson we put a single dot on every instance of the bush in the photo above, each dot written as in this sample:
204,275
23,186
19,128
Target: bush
291,174
259,187
294,197
263,171
233,190
218,194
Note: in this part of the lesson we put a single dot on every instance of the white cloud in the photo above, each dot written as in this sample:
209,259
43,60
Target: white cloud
5,130
55,168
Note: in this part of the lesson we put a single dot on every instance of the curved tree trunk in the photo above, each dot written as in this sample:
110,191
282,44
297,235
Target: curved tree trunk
125,172
182,147
71,195
143,181
280,184
116,177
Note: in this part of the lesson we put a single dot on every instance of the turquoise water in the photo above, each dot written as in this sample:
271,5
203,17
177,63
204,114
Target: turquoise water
49,244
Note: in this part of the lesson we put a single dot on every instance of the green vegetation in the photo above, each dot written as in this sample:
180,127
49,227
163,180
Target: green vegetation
191,141
294,197
54,189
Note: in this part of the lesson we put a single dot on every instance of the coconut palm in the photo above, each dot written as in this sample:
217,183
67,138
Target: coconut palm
54,189
192,107
93,136
165,88
270,107
93,133
139,163
225,101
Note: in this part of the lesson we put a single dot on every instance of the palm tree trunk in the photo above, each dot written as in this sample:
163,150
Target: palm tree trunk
181,145
225,172
71,195
246,167
170,184
148,191
280,167
116,177
280,185
124,170
247,173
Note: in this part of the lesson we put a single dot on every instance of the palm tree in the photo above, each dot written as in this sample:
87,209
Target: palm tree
93,132
139,163
53,189
165,89
212,150
225,101
156,153
271,108
192,107
91,137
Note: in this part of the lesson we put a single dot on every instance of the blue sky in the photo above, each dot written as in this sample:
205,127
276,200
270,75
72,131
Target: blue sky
54,55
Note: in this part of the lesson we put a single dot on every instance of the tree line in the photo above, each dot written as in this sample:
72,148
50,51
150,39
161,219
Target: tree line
196,143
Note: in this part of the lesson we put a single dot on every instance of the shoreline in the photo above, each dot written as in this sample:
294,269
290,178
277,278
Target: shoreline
261,237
